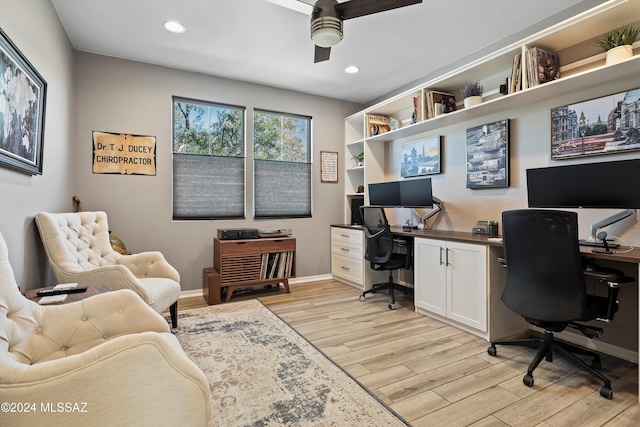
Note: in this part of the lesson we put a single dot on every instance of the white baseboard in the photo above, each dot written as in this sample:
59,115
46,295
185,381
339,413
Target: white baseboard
199,292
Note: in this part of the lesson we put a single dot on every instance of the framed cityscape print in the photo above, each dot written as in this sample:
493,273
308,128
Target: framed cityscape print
22,118
605,125
488,155
423,157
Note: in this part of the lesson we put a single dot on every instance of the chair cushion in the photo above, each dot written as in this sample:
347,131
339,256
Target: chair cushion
163,292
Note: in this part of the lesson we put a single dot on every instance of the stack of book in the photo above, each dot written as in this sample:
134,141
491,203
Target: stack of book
542,66
377,125
432,97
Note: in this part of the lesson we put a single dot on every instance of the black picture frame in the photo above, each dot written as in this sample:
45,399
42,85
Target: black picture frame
21,148
488,155
598,126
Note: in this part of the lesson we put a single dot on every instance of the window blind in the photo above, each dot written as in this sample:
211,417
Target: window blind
207,187
282,189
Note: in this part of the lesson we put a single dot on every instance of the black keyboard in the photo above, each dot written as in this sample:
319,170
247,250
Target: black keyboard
49,292
598,244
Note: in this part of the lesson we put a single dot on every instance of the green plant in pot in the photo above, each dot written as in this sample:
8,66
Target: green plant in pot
359,158
472,93
618,43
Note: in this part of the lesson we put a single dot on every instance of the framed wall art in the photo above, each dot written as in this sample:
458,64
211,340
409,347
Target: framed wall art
328,166
22,119
605,125
423,157
488,155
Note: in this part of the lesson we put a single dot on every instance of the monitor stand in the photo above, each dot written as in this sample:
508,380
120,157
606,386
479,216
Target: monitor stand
596,226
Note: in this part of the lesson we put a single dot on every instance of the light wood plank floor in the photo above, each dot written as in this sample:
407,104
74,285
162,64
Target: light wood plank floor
435,375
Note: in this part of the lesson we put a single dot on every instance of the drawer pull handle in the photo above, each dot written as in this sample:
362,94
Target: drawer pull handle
346,236
345,268
344,249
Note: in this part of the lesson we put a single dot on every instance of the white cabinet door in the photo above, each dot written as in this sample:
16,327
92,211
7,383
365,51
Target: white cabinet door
430,290
451,280
467,284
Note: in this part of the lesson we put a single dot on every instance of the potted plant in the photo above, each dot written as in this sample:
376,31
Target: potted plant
618,43
359,159
472,93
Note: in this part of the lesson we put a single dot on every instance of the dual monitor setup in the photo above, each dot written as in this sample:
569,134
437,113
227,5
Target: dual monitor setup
604,185
411,193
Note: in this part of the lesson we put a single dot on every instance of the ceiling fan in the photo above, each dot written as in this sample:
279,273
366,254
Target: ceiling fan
327,17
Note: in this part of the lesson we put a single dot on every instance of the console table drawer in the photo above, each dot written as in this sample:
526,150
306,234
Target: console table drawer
280,245
228,247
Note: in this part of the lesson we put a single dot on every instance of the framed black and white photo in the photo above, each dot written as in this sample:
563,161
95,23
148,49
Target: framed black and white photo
22,119
488,155
605,125
423,157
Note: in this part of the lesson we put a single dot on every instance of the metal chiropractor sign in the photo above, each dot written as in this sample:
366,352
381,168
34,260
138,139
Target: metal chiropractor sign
124,154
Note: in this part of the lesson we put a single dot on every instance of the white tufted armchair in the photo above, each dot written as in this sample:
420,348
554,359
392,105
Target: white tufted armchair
79,251
104,361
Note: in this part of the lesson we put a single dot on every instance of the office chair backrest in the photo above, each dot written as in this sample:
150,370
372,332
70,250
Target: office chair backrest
378,234
544,267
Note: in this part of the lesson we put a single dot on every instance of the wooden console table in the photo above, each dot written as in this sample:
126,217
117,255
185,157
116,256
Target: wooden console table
250,262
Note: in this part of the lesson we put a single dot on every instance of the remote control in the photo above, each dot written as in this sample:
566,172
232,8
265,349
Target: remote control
48,292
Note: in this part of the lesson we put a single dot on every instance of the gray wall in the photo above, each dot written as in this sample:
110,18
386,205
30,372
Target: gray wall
34,28
121,96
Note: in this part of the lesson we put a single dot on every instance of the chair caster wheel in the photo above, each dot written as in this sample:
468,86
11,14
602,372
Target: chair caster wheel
361,298
528,380
596,364
606,392
390,306
492,351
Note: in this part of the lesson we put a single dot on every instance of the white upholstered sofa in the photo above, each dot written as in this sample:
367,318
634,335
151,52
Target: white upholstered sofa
79,251
108,360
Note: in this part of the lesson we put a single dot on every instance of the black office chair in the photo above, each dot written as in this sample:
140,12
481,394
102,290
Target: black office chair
379,250
546,285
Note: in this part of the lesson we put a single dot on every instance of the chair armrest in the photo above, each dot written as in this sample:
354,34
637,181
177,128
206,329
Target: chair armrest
112,276
149,264
140,379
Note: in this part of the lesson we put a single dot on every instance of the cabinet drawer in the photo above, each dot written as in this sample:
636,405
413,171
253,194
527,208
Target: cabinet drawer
284,245
347,249
347,268
346,235
239,247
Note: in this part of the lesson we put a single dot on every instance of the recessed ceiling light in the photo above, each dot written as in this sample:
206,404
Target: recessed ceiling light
174,27
351,69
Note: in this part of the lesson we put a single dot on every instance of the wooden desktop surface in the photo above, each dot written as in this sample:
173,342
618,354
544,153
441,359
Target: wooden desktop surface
622,254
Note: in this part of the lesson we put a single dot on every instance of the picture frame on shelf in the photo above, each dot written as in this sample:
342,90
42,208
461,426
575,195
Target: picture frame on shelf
597,126
24,90
422,157
488,155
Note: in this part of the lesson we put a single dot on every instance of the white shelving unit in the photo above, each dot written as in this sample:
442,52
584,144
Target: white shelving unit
582,66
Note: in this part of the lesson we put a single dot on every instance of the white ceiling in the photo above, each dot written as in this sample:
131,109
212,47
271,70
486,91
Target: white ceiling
260,42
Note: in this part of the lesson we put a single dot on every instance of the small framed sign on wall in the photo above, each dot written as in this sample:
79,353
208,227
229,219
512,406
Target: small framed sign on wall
328,166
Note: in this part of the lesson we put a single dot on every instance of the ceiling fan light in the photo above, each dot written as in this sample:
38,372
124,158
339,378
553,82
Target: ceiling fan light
326,31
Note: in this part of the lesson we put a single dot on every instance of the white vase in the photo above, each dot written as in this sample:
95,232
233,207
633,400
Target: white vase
619,54
470,101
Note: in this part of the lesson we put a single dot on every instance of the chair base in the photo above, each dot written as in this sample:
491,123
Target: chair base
546,346
388,286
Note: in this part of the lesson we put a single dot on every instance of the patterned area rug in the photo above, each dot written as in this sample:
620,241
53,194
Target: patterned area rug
263,373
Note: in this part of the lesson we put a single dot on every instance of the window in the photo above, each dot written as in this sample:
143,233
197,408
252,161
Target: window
282,166
208,160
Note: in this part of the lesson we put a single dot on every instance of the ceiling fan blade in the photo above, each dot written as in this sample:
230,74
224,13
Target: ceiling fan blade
298,6
356,8
322,54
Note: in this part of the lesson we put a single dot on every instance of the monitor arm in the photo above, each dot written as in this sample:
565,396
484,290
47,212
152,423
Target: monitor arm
593,228
437,207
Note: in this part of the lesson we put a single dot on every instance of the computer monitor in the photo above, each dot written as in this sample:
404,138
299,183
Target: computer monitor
614,185
416,193
385,194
